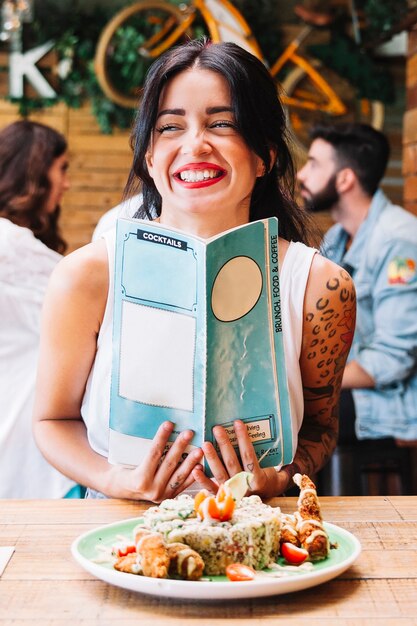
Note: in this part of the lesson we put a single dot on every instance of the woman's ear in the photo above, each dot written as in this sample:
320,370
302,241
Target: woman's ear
149,162
261,169
273,157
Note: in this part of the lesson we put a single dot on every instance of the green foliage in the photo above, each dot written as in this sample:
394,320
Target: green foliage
31,105
345,58
75,28
355,62
263,16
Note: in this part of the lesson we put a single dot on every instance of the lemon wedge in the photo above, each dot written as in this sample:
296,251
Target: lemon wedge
238,485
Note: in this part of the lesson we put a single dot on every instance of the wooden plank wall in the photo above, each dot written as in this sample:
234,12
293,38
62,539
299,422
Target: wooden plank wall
99,165
393,181
410,126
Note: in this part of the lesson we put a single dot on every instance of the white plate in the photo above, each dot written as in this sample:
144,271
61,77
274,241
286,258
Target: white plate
84,550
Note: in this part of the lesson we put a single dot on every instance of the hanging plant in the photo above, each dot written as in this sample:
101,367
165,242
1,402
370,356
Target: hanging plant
356,61
75,29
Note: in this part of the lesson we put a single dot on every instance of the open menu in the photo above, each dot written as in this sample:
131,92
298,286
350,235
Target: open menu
197,338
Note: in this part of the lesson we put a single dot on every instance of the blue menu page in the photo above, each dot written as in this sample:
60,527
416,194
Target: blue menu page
198,338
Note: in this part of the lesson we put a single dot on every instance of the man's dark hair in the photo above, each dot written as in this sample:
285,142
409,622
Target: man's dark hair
260,119
359,147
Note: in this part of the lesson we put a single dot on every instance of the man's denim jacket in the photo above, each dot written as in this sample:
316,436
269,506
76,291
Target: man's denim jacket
383,263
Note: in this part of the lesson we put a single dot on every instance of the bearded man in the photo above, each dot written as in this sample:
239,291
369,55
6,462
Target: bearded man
376,242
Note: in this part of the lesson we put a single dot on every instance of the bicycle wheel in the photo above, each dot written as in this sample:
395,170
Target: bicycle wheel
299,85
130,43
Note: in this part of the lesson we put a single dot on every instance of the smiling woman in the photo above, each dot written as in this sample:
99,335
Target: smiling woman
210,152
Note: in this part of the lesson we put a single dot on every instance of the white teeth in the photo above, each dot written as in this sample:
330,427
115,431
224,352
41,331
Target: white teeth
193,176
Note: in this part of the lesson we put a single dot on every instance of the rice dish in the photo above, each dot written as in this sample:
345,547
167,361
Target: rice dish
251,536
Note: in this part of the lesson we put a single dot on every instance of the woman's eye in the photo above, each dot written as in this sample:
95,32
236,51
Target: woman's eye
166,128
224,124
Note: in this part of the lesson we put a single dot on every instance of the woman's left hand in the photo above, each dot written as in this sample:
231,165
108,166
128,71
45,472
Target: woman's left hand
265,481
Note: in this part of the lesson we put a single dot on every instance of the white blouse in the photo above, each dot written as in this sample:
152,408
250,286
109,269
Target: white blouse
25,266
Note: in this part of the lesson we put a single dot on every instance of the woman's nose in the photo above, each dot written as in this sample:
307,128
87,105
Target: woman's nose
196,143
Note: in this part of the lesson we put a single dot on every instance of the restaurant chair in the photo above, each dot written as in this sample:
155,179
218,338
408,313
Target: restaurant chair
371,467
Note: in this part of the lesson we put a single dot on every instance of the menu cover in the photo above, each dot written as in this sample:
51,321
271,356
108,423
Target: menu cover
197,338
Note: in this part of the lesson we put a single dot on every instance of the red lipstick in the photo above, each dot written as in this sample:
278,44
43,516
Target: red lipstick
219,172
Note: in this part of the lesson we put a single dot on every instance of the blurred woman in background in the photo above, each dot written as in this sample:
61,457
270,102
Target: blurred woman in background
33,179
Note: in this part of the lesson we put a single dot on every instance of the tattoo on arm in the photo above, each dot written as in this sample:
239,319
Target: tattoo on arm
331,324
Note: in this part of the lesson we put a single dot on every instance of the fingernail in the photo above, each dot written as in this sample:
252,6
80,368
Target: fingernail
207,447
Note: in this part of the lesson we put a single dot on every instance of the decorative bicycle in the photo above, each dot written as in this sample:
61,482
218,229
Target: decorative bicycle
310,91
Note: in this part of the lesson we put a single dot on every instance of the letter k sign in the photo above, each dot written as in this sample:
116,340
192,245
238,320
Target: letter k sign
23,64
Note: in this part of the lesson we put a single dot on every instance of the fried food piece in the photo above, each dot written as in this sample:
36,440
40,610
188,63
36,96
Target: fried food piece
128,564
309,522
289,533
308,504
155,558
139,532
152,555
184,562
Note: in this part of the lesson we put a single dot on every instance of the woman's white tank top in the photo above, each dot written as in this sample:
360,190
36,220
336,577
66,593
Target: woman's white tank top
293,279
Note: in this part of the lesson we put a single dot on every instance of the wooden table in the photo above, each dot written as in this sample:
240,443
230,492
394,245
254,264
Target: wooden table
42,584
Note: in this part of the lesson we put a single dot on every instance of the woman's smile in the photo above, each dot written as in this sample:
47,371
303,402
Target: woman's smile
198,175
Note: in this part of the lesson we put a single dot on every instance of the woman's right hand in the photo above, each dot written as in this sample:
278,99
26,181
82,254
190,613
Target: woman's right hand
157,477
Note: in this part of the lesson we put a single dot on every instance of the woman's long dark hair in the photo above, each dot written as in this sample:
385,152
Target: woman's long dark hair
260,119
27,151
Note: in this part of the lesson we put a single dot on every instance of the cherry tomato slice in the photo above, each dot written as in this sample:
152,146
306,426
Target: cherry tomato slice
240,572
126,550
293,554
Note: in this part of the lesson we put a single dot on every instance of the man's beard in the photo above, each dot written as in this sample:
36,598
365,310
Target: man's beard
322,200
